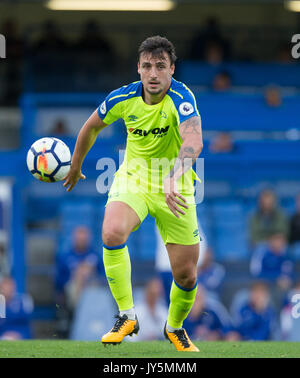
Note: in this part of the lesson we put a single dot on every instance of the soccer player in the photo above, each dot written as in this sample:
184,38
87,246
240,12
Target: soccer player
163,125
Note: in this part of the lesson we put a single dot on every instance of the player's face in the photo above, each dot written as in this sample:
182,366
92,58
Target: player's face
156,73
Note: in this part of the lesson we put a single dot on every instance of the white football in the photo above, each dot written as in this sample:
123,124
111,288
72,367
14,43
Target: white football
49,159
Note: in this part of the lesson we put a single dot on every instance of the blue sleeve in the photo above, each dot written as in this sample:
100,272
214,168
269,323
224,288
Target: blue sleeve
109,111
184,101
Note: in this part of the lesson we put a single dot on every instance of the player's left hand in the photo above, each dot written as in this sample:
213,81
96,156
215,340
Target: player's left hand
72,178
173,197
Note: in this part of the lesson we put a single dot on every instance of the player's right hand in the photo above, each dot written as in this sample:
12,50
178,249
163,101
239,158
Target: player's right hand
173,197
72,178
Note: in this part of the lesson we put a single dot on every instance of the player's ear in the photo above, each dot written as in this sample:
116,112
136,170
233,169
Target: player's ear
172,68
138,66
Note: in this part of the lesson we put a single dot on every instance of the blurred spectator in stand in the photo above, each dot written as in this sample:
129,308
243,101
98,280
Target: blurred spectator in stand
213,53
272,263
80,260
208,320
93,314
289,315
152,312
272,97
95,55
294,233
13,65
222,82
14,43
51,39
50,60
206,37
210,273
4,266
255,319
83,276
92,40
60,128
75,270
268,219
222,143
18,311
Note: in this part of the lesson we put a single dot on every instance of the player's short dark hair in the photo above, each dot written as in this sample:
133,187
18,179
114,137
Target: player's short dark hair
156,45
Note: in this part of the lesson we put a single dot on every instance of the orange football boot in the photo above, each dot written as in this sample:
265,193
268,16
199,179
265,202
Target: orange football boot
123,327
180,340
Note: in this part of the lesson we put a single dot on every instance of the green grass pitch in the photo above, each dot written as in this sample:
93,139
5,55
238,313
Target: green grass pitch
153,349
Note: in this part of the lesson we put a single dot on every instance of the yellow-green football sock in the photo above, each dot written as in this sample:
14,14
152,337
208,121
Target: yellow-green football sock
118,273
181,303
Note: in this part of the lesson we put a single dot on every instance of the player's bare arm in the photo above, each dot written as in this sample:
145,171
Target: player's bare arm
191,135
85,140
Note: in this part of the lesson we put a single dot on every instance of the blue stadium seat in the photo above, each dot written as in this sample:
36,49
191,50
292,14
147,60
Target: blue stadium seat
269,150
133,245
230,230
288,205
72,214
231,244
295,251
228,211
243,74
146,244
238,111
205,219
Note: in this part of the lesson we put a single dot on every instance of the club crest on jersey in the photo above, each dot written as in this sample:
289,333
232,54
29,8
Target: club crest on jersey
186,108
103,108
163,114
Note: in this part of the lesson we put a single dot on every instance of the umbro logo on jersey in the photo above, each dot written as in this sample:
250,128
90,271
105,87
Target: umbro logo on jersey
196,233
157,131
132,118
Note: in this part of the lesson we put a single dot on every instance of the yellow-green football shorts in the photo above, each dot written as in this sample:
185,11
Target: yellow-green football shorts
183,230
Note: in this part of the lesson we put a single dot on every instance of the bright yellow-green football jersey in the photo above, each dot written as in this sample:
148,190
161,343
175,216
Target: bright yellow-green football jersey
153,138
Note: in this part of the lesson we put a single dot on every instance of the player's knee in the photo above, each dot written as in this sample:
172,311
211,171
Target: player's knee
189,282
113,235
186,279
